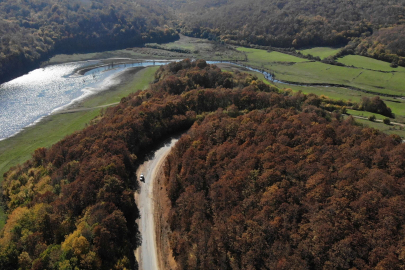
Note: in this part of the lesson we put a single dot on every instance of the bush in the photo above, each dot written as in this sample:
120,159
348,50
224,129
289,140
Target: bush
372,118
386,121
394,64
375,105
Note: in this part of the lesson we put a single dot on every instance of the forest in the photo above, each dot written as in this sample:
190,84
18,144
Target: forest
286,188
376,27
260,172
387,44
33,30
71,206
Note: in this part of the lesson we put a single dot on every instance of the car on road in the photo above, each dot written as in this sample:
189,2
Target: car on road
142,178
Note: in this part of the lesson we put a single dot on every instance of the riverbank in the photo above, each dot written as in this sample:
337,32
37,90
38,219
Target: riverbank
199,49
19,148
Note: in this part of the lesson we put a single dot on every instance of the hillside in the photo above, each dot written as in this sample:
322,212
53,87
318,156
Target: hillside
31,31
72,205
387,44
296,23
285,188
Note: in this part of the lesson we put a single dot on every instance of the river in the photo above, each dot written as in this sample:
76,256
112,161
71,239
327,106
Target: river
27,99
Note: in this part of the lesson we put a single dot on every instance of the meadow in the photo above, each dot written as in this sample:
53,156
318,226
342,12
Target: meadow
321,52
368,63
388,129
289,68
298,70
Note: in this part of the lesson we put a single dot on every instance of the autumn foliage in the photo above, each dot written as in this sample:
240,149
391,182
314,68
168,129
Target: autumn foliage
263,180
286,189
72,205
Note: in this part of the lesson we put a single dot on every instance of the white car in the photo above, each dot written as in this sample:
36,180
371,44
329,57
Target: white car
142,178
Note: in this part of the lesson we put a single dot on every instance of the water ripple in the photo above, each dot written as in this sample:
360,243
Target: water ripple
27,99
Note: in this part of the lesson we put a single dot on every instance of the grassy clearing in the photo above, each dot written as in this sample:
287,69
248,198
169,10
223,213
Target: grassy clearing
322,52
366,114
140,81
307,72
315,72
199,49
188,43
368,63
331,92
264,57
338,93
19,148
397,105
388,129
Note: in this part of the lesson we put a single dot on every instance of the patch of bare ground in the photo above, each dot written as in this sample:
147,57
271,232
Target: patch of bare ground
162,208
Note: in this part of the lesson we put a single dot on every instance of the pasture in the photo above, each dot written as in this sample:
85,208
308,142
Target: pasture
322,52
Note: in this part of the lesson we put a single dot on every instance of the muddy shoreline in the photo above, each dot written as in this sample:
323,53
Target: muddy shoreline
122,79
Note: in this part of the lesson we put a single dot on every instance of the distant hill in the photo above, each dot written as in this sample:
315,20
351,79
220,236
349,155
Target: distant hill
31,31
387,44
294,23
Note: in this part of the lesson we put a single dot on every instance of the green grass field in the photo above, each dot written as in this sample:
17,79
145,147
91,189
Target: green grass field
331,92
368,63
366,114
322,52
294,69
388,129
19,148
264,57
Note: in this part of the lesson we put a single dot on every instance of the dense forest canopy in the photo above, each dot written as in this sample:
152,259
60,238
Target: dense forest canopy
32,30
283,188
72,205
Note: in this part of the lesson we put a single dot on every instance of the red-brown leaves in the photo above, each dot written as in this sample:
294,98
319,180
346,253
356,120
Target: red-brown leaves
294,191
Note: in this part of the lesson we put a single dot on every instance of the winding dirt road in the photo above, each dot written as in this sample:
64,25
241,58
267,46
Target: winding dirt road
146,254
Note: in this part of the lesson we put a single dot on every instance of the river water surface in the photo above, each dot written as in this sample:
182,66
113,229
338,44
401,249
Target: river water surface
27,99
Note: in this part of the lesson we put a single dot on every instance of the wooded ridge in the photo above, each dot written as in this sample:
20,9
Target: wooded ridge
264,179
